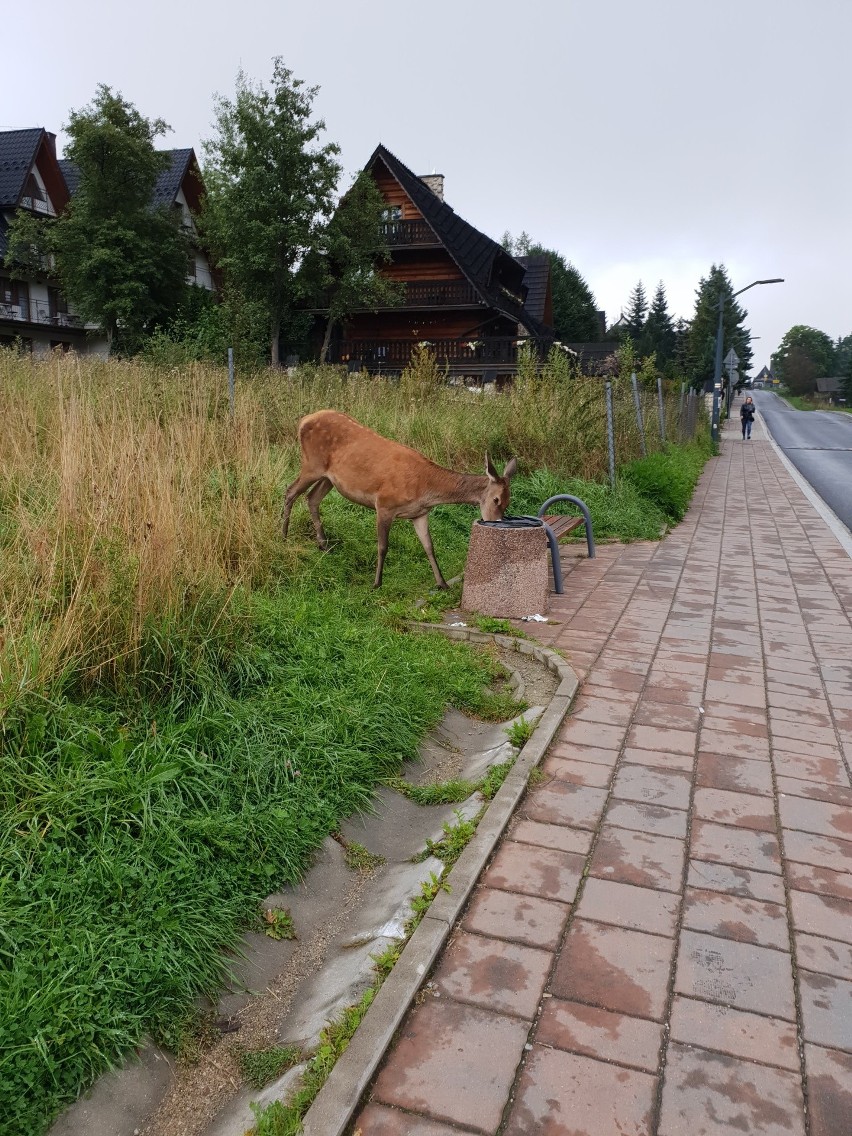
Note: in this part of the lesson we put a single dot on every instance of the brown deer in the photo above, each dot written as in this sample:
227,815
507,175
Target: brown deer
339,453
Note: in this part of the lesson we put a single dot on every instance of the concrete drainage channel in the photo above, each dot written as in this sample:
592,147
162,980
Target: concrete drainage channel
337,1101
344,918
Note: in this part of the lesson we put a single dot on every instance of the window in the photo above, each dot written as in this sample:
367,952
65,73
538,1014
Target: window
392,213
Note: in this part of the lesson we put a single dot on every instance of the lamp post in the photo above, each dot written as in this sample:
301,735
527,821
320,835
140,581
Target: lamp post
717,370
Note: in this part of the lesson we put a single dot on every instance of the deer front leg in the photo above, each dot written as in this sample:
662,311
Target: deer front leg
421,527
384,520
319,491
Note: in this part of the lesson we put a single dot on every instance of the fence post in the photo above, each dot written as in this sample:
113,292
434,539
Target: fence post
231,389
610,435
661,409
680,411
637,403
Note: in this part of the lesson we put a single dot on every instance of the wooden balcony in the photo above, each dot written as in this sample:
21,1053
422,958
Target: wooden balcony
440,294
459,356
407,234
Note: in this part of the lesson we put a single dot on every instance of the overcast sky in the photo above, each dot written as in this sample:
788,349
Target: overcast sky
643,139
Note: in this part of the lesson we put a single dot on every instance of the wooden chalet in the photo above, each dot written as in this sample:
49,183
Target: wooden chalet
466,298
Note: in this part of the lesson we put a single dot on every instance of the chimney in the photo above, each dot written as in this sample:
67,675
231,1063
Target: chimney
435,182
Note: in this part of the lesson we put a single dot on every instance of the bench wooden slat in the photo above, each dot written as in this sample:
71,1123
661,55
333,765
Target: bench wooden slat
562,525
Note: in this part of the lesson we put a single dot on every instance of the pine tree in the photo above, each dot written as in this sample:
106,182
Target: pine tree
701,352
658,336
637,312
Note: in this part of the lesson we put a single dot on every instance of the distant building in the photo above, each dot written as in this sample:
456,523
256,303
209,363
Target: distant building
765,378
831,390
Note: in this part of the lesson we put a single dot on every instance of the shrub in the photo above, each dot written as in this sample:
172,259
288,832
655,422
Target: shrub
668,478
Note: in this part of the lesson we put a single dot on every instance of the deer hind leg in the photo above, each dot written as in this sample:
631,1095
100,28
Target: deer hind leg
319,491
384,520
301,485
421,527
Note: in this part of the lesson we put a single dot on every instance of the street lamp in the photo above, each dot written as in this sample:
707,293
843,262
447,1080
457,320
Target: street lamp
717,370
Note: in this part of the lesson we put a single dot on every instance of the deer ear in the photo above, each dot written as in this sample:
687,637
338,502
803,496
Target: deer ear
511,469
490,470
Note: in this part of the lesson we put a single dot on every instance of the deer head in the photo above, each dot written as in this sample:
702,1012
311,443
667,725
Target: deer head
495,498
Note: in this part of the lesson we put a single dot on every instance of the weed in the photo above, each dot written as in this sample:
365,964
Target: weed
520,732
277,923
496,626
360,859
189,1035
439,793
452,844
494,778
260,1066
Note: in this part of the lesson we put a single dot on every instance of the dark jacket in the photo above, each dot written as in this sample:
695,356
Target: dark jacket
747,412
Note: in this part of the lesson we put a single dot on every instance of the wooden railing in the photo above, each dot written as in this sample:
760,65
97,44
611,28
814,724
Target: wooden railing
376,354
396,233
38,311
439,294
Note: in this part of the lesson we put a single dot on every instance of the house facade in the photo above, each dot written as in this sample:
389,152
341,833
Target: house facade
33,312
466,298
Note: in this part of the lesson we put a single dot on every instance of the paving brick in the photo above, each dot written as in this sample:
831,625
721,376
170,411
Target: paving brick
716,741
808,767
454,1063
826,1009
660,691
665,740
821,851
556,802
520,918
769,1041
826,956
823,915
736,881
829,1081
638,783
618,969
610,710
741,847
566,1094
665,762
727,692
624,905
497,975
732,917
647,818
379,1120
814,791
816,816
666,715
711,1094
722,723
600,1033
544,872
576,732
577,772
735,974
638,858
736,774
596,754
742,810
555,836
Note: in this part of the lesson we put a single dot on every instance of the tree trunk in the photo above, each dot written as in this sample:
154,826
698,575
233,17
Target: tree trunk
329,327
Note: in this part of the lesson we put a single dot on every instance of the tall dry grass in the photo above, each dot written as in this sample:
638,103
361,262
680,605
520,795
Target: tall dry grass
127,493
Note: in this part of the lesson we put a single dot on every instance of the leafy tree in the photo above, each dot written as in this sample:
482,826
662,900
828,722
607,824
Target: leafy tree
575,316
122,262
29,243
637,311
799,341
701,347
658,335
847,380
270,186
800,371
343,269
842,354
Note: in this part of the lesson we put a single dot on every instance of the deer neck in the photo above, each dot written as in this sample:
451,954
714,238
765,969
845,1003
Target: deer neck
457,488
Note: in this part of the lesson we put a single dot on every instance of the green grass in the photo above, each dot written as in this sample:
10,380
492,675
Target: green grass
260,1066
668,478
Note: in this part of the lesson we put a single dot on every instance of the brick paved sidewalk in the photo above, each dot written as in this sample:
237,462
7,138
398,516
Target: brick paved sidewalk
662,944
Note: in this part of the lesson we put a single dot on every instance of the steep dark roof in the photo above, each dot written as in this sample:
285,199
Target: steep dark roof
535,279
473,252
71,174
830,384
4,242
18,149
166,188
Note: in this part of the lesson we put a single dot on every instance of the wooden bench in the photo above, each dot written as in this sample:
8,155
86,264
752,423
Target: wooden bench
560,525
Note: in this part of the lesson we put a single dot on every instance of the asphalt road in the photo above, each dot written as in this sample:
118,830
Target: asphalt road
818,443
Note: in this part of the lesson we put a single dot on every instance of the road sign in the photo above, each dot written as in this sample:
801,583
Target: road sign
732,360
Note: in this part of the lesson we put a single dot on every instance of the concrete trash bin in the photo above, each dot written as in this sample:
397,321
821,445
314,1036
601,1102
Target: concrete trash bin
507,568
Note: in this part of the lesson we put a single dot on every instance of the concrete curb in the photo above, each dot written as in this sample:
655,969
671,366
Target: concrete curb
338,1099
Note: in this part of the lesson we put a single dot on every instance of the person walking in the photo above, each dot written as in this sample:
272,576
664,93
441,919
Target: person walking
747,417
